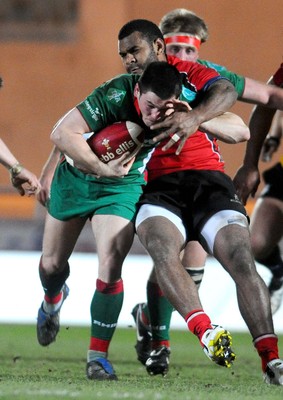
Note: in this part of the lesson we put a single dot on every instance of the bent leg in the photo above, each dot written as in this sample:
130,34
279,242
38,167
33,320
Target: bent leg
164,242
233,250
114,236
58,242
158,310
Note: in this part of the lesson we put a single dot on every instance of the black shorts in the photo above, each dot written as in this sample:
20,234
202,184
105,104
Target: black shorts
273,179
194,196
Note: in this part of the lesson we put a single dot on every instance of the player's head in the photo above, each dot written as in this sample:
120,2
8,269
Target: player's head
159,85
183,33
139,43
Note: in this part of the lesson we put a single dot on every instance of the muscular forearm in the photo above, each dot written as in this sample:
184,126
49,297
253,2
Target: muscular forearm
247,177
262,94
228,127
76,148
7,159
260,122
50,165
218,99
67,136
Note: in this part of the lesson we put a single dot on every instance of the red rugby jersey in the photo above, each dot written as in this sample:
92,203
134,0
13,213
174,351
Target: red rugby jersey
201,151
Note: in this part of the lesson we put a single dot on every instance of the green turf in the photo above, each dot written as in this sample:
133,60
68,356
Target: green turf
29,371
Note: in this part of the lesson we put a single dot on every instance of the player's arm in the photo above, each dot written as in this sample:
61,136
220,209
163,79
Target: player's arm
46,175
228,127
272,141
260,123
217,99
262,94
247,177
21,178
67,135
7,159
251,91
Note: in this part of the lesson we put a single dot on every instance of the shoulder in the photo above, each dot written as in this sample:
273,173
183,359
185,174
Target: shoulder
121,80
191,68
212,65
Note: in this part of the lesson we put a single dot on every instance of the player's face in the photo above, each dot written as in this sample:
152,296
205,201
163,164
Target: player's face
153,108
182,51
136,53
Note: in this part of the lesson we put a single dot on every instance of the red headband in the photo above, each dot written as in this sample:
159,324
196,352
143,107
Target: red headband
185,39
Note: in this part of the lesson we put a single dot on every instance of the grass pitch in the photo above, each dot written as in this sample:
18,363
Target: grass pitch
29,371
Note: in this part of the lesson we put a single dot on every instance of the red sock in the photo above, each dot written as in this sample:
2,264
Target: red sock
267,348
109,288
158,343
99,344
53,300
198,322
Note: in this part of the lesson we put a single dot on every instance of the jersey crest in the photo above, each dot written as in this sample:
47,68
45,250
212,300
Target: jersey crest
115,96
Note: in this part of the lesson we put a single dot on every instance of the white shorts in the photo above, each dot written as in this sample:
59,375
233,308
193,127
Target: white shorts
149,210
210,228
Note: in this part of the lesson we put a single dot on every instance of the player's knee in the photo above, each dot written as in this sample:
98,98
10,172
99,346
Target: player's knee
155,245
163,248
51,265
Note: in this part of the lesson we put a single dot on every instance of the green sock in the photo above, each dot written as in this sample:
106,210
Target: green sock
160,310
105,309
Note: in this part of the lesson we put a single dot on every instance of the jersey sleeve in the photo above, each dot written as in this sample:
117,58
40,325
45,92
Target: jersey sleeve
195,75
238,81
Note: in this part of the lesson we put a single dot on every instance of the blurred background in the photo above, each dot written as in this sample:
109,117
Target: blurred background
53,53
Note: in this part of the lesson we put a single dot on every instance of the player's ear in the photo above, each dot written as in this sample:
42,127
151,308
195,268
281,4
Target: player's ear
137,92
159,46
